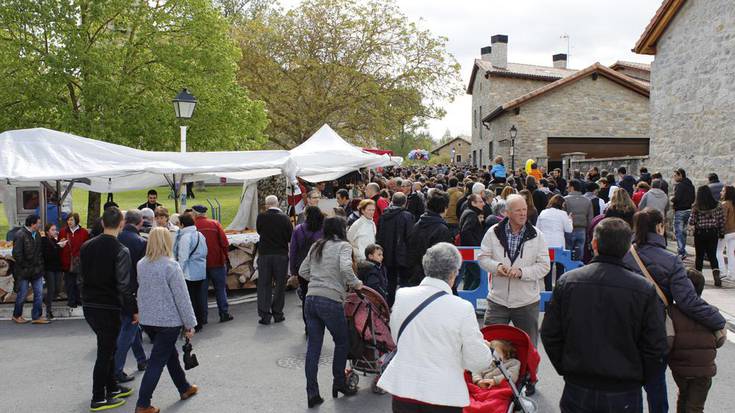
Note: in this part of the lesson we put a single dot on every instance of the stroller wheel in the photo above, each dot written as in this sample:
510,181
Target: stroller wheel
352,380
375,388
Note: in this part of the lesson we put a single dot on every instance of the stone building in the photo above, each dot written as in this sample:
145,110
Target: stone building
638,71
599,111
692,91
456,150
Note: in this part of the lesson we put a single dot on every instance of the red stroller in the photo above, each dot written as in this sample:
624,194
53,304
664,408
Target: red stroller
507,397
368,321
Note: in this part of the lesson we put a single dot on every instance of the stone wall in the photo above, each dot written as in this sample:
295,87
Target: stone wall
693,93
586,108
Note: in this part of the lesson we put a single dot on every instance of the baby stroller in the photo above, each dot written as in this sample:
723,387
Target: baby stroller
507,397
368,321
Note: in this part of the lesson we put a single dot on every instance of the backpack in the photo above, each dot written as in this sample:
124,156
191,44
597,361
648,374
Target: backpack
309,240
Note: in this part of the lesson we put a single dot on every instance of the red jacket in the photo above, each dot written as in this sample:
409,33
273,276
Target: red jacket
637,196
217,243
72,248
380,205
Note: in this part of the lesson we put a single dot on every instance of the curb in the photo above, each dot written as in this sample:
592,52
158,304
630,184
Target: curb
62,312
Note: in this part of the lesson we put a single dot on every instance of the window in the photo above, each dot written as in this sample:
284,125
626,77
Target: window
458,158
474,119
480,158
474,158
490,151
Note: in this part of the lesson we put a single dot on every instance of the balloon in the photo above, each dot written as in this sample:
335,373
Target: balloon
528,165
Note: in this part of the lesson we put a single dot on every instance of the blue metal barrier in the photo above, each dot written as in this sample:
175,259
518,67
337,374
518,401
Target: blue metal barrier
478,296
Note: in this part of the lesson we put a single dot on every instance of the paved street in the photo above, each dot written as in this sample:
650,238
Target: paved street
244,367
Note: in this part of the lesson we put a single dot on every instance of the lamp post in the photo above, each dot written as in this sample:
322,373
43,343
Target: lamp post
513,133
184,104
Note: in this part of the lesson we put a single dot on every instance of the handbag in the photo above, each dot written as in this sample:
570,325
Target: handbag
669,308
389,356
190,360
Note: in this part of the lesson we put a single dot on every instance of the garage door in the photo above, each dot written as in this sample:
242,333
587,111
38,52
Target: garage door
597,147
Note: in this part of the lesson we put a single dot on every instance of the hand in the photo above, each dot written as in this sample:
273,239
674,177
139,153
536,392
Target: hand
502,270
358,287
514,273
486,383
189,333
135,319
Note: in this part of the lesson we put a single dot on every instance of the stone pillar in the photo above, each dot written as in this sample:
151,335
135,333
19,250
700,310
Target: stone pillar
568,161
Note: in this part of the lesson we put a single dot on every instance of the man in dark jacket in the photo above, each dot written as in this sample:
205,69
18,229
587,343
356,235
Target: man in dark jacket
430,230
715,185
395,225
130,335
682,202
604,328
275,229
28,257
416,202
626,181
105,272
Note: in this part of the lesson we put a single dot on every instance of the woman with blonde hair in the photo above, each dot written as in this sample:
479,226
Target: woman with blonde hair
164,309
362,232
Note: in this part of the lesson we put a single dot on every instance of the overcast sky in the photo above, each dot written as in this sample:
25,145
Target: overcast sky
600,31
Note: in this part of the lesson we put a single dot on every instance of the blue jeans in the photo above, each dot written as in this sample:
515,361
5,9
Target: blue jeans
576,399
218,275
322,312
163,354
23,286
576,243
129,336
658,401
681,221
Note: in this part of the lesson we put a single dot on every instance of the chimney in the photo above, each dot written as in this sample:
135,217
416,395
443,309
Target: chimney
560,61
485,53
499,57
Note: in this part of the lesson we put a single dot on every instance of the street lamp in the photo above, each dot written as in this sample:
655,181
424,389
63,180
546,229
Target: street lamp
184,104
513,133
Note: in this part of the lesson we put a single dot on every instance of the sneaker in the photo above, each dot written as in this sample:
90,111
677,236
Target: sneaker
225,317
124,378
106,404
49,315
40,321
192,391
20,320
142,365
120,392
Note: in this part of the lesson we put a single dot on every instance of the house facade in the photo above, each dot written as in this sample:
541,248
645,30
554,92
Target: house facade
692,91
456,150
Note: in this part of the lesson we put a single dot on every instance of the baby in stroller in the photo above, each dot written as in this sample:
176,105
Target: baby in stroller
492,377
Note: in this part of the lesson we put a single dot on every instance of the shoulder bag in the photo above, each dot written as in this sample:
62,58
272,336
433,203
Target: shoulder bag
669,308
389,356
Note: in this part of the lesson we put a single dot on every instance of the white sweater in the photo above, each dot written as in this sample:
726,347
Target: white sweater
553,223
360,235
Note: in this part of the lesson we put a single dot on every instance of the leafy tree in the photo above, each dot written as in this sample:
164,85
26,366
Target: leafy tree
408,139
108,69
360,66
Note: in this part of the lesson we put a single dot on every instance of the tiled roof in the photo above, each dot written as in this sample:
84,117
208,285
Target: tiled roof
646,44
632,65
617,77
518,70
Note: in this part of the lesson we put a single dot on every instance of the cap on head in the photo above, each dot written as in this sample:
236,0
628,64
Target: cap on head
199,209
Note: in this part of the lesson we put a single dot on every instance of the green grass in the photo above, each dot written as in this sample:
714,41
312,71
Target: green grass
228,196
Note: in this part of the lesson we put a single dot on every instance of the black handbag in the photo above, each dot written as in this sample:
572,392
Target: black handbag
190,359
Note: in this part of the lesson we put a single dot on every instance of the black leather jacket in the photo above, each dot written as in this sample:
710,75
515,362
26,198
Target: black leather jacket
105,271
28,255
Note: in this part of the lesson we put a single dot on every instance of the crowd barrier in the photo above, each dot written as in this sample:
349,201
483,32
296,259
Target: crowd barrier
478,296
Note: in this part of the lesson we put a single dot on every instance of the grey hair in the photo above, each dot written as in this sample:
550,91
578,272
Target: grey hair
133,216
147,214
478,188
271,201
514,198
441,260
499,208
399,199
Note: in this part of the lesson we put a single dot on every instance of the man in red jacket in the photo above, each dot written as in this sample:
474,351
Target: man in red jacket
217,245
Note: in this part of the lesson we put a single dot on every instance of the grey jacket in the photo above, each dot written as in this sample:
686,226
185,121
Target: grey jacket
580,208
331,275
163,300
656,199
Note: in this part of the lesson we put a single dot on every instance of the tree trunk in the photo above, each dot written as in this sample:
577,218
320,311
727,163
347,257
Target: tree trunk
93,208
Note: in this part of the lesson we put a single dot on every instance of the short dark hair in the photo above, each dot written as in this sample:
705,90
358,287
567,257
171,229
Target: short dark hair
399,199
370,249
32,219
343,193
109,205
556,201
712,177
656,183
111,218
438,202
592,187
152,192
622,170
576,184
75,217
643,170
681,172
186,219
453,182
645,222
613,237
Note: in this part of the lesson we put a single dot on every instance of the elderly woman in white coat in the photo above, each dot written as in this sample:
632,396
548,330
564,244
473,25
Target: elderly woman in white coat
362,232
554,222
438,344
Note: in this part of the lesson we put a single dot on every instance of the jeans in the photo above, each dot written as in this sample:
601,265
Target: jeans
658,401
163,354
198,296
705,243
106,326
576,243
322,312
681,221
692,393
727,244
576,399
549,278
272,268
525,318
129,336
71,283
400,406
20,299
53,283
218,276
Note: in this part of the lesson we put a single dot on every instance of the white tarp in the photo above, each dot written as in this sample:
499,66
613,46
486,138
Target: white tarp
32,155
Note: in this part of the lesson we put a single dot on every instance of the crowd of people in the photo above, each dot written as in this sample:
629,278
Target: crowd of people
147,271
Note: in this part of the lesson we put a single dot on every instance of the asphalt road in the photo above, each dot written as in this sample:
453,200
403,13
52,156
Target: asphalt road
244,367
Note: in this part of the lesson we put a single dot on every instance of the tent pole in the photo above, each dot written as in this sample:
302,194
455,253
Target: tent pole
58,199
43,204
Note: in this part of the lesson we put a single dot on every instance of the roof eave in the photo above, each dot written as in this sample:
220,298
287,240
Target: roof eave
646,44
